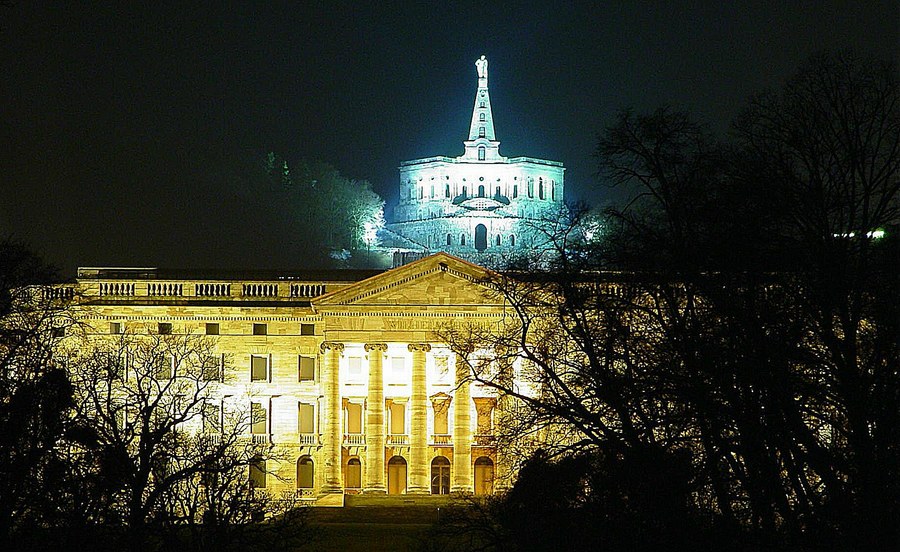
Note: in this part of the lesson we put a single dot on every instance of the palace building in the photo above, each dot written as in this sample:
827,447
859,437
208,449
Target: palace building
344,371
479,206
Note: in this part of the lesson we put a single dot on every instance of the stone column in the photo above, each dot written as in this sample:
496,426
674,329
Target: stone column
331,431
504,420
374,483
418,438
462,431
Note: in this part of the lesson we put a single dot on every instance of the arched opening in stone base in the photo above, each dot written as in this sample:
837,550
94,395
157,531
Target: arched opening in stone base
481,237
440,476
484,476
396,475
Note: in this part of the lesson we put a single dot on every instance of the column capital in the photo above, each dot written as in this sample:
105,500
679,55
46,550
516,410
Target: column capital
331,345
424,347
369,347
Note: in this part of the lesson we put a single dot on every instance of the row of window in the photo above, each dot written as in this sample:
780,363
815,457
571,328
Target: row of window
212,328
483,472
498,240
353,416
481,190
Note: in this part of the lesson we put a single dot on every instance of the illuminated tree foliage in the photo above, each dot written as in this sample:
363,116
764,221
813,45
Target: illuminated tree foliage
340,212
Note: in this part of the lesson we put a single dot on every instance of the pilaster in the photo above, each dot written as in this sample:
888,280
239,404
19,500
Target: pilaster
374,483
331,442
462,430
418,439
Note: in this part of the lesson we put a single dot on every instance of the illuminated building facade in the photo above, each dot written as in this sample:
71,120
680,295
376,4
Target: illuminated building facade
479,206
344,371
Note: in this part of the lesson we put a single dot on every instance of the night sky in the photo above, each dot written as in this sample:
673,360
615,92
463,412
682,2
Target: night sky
120,127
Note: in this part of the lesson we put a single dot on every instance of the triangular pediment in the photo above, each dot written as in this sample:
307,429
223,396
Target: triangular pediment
440,279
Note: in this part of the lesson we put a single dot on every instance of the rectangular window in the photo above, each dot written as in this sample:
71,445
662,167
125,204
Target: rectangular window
441,368
212,368
447,190
306,418
398,418
260,329
398,367
211,417
354,367
481,132
212,329
259,368
515,191
258,474
115,327
441,423
307,369
354,418
164,328
162,368
258,425
58,331
307,329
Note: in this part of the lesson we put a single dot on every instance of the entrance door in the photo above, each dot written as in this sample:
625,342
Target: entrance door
440,476
481,237
396,475
484,476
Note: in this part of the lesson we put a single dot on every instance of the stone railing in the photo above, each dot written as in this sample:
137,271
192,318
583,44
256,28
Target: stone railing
212,290
310,439
165,289
307,290
484,440
397,440
439,439
117,289
259,290
354,439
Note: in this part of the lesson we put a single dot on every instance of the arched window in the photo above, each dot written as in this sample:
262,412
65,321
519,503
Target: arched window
421,192
481,190
481,237
512,240
432,190
481,116
481,104
449,239
553,190
447,190
540,188
465,193
396,475
305,472
354,474
484,476
462,239
497,241
515,191
497,191
440,476
530,187
481,154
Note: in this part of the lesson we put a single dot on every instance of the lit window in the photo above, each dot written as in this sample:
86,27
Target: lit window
354,474
305,472
398,367
354,418
258,474
306,418
259,368
481,116
397,419
481,132
258,425
481,154
355,367
306,369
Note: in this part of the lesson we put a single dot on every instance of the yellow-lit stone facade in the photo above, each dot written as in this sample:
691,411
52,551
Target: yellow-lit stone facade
347,379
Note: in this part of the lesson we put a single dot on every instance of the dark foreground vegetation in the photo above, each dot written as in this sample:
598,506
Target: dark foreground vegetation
721,369
715,366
